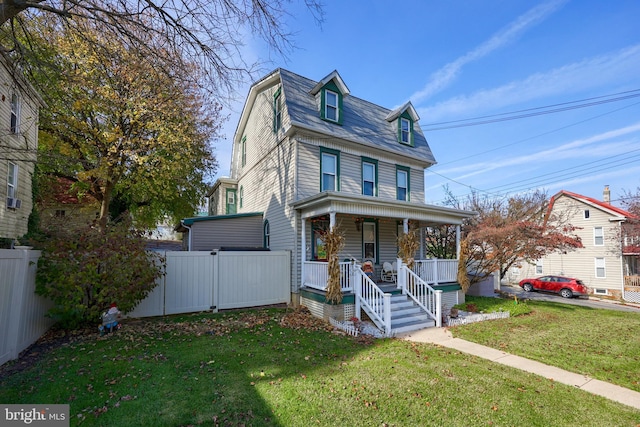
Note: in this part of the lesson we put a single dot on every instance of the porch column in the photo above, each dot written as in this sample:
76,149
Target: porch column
303,249
457,242
405,225
422,237
332,220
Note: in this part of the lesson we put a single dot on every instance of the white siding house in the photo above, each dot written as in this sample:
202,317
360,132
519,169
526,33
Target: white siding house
19,105
310,156
603,264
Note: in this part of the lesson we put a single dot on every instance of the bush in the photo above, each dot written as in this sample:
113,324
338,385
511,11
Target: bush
85,272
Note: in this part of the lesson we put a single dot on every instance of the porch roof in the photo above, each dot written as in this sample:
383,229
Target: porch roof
367,206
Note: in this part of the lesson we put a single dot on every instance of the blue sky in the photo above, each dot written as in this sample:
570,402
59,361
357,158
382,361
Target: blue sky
458,60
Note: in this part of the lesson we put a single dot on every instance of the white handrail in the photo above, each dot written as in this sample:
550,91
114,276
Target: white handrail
316,275
429,299
377,304
434,271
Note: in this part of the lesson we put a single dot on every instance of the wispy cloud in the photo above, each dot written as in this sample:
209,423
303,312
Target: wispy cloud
590,73
592,147
444,76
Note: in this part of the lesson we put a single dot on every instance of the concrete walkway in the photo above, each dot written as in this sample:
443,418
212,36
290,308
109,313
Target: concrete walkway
443,337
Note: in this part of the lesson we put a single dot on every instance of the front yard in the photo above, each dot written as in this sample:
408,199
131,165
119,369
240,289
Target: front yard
284,368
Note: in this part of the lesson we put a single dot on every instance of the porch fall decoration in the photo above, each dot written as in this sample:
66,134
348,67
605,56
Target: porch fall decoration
333,240
463,276
408,244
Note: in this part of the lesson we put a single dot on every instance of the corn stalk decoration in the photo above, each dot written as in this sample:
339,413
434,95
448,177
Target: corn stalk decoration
408,244
463,277
333,240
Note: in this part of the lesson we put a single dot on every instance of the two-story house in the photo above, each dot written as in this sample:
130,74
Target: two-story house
606,264
19,106
310,156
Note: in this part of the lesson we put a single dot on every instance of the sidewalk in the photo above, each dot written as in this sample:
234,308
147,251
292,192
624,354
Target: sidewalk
443,337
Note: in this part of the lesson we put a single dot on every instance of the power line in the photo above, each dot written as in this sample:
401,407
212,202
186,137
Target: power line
536,111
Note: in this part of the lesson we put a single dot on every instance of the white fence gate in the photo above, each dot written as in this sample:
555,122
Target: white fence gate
200,281
194,281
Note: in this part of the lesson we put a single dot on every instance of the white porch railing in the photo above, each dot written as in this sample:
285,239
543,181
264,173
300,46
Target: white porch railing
376,303
429,299
316,275
435,271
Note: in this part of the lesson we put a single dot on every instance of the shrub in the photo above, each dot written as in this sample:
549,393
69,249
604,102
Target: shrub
85,272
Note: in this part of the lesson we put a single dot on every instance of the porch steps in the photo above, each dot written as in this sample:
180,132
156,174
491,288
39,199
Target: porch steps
406,316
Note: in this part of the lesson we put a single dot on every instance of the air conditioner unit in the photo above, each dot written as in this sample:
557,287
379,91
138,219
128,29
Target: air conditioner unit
13,203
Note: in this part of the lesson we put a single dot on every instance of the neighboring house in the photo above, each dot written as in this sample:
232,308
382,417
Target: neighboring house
60,204
608,262
19,106
310,156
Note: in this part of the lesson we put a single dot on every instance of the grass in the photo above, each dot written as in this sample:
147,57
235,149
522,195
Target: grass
261,368
602,344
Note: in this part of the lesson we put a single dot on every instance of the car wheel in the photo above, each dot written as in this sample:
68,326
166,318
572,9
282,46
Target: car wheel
527,287
566,293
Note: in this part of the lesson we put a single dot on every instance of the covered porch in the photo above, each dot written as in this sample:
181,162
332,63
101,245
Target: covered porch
371,227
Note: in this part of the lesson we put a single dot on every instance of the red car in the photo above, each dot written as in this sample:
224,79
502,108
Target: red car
565,286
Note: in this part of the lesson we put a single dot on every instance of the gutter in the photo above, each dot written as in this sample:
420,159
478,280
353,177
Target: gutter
188,228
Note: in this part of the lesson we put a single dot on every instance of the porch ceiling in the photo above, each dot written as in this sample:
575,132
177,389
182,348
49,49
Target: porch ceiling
367,206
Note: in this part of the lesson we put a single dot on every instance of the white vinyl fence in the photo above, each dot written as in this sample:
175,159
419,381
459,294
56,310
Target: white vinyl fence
194,281
200,281
22,312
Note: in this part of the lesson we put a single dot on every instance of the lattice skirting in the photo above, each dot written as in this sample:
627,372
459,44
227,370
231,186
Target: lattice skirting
327,311
631,296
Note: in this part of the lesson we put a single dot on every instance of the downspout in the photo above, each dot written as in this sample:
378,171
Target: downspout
188,228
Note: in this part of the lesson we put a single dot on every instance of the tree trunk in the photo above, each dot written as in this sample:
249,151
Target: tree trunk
10,8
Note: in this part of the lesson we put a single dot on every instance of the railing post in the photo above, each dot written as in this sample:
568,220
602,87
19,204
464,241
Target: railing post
401,277
387,314
357,291
438,308
436,277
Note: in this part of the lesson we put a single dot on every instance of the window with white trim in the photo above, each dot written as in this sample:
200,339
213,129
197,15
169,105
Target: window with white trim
330,105
267,234
241,197
369,178
277,110
598,236
600,268
243,150
402,183
405,131
15,113
586,214
329,170
369,240
539,266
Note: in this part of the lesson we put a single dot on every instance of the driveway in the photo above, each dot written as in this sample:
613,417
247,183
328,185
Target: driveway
591,302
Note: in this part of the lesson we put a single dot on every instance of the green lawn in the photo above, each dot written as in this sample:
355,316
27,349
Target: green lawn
278,368
603,344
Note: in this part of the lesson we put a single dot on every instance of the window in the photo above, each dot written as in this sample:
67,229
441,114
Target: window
600,292
539,266
331,105
369,241
277,110
329,167
12,181
369,177
243,150
231,202
402,183
15,113
405,131
600,268
598,236
241,196
267,235
586,214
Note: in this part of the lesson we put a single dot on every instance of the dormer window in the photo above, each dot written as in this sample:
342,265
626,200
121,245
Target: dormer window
331,105
330,93
405,129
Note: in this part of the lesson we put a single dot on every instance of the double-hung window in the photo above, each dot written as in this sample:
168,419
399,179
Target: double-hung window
405,131
369,177
15,113
402,183
600,268
329,167
369,240
331,105
12,181
598,236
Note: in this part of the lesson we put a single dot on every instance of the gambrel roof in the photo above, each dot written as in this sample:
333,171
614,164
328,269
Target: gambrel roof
362,122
